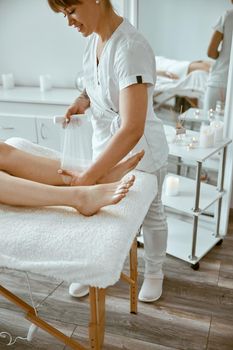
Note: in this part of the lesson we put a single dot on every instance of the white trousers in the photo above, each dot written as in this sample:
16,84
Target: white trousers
155,232
212,95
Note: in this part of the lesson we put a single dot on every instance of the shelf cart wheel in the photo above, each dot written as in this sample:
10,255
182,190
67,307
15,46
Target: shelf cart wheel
140,244
195,266
219,242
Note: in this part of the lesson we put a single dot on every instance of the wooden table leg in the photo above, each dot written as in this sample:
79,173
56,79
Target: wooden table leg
134,277
97,322
32,316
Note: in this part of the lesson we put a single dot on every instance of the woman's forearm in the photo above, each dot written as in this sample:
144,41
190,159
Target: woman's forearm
119,146
213,49
213,54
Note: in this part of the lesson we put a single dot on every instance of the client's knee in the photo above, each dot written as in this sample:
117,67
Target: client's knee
5,151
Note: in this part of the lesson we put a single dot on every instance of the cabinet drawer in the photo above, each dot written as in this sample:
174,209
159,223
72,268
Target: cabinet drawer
49,134
18,126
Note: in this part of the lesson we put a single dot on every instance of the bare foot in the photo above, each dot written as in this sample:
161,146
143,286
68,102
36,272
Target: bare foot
90,199
121,169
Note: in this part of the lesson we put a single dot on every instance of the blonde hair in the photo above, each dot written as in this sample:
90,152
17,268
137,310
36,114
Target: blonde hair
59,5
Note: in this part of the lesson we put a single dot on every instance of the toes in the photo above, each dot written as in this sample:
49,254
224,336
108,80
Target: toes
129,179
142,154
138,156
121,190
117,198
132,178
122,187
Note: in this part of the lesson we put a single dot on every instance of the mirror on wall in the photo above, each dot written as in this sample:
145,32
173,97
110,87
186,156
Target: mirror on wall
179,32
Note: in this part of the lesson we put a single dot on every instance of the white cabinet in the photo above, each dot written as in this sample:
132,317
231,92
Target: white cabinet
28,113
49,135
12,125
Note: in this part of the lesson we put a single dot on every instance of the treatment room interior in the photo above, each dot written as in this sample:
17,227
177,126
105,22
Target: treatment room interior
195,311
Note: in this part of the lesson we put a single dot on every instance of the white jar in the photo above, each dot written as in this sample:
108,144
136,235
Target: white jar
8,81
172,184
206,139
45,82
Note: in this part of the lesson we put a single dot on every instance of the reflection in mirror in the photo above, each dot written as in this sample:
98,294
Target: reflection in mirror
192,47
180,34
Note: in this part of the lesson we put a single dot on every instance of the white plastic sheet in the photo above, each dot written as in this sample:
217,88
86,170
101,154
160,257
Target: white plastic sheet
76,152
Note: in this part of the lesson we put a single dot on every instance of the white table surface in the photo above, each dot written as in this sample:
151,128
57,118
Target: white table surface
179,149
34,95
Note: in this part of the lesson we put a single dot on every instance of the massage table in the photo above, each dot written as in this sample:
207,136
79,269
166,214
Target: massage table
60,243
191,86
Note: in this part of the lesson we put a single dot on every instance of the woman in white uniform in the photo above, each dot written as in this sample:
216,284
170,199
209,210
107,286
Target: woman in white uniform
217,82
119,73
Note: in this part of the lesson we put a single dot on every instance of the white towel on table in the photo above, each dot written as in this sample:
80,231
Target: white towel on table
177,67
61,243
195,81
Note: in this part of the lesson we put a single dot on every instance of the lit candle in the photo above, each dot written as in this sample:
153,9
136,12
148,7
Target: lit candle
172,185
8,81
206,139
197,113
217,127
190,146
211,115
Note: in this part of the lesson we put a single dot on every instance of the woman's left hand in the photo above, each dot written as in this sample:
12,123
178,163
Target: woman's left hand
76,178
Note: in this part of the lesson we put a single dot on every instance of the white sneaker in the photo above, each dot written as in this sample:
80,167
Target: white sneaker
78,290
151,289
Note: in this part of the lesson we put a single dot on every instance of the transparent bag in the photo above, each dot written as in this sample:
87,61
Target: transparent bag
77,144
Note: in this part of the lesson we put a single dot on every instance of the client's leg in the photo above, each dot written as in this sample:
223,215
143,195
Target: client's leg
28,166
120,169
199,65
45,170
86,199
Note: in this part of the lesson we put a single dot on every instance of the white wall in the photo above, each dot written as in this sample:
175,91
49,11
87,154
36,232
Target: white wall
180,29
34,40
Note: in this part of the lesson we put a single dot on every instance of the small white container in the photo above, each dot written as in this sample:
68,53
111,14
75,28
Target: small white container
217,127
172,184
8,81
45,82
206,139
220,107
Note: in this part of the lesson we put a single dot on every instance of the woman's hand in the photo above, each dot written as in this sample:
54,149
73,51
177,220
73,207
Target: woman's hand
78,107
76,178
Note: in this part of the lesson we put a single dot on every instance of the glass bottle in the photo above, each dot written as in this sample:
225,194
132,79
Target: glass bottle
219,110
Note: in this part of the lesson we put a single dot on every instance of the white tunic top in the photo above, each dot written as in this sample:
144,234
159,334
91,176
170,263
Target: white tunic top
219,73
126,59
